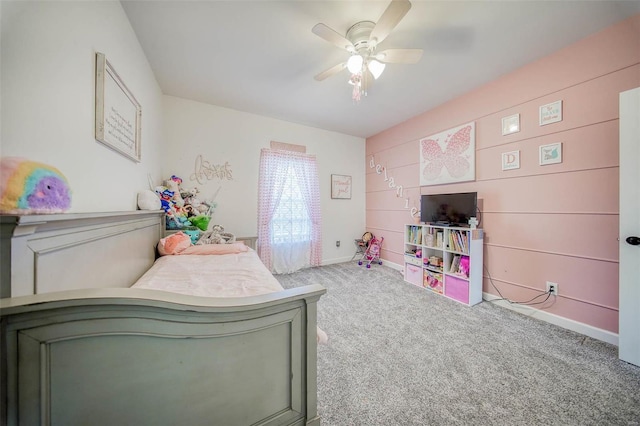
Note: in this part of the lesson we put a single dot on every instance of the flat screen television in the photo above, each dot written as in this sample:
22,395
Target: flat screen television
449,209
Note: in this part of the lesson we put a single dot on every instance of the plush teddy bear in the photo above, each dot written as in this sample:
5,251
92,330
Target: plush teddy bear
198,206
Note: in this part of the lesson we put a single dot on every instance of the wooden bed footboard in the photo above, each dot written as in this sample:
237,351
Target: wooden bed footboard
127,356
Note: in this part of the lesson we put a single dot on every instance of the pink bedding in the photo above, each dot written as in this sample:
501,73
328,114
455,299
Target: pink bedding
222,275
225,275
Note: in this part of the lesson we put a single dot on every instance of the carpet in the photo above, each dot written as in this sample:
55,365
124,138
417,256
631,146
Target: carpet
401,355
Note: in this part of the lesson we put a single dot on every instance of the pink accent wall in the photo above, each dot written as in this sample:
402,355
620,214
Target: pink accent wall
542,223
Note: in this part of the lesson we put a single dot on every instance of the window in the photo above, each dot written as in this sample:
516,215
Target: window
289,222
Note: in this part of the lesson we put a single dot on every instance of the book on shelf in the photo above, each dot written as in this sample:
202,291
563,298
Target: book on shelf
415,235
457,241
455,264
429,240
460,265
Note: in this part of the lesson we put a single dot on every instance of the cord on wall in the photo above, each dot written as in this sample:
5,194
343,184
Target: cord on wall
529,302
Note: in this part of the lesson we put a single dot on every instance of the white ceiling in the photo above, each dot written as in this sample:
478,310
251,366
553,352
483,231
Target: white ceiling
260,56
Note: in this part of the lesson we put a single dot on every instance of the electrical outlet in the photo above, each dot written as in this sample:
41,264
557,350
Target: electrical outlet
338,243
552,288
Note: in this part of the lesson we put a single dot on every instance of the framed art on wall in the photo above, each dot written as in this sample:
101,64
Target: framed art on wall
511,160
448,156
510,124
551,113
118,113
341,187
550,154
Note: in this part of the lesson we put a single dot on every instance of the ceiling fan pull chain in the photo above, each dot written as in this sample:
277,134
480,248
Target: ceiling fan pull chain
356,80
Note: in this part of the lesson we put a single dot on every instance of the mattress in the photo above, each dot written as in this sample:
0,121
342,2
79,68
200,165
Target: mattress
222,275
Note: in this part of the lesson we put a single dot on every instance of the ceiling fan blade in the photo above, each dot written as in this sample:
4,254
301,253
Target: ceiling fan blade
331,71
389,19
399,56
322,31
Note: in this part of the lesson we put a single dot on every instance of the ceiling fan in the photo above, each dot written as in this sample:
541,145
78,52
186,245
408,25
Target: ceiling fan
361,40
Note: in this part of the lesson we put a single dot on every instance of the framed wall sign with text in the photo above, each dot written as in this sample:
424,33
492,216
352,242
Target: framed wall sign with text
118,113
341,186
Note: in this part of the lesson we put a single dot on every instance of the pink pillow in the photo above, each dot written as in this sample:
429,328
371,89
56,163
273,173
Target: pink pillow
174,243
216,249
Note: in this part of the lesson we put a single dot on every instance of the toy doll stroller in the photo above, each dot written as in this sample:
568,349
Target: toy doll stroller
372,253
362,244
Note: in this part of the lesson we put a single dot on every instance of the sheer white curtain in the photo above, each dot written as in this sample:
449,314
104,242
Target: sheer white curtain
289,221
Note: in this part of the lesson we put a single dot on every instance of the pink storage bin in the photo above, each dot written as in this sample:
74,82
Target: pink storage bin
413,274
457,289
433,281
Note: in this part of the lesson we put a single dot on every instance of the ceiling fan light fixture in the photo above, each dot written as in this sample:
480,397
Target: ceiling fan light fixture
361,41
376,68
354,64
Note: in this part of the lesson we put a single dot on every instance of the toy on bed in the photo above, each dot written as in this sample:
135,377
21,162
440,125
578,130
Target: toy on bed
217,236
183,207
29,187
180,243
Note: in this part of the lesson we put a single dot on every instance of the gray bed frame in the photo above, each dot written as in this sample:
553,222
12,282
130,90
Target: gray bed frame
79,347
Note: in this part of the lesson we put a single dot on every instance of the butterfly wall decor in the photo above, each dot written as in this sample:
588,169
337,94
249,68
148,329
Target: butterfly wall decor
448,156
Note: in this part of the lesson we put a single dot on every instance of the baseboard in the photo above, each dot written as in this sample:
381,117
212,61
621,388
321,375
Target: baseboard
348,259
336,260
393,265
569,324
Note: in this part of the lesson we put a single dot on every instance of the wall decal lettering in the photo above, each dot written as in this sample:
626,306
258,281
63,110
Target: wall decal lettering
392,184
205,171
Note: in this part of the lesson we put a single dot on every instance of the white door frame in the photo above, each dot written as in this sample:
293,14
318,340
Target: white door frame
629,284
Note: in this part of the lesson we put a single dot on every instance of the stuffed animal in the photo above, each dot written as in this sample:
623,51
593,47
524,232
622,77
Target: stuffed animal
201,221
217,236
194,234
166,197
197,206
173,186
148,200
28,187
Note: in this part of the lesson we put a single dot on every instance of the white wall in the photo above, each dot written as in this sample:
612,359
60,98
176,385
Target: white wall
223,135
47,86
47,114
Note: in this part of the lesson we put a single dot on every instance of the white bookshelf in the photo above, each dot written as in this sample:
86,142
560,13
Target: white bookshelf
446,260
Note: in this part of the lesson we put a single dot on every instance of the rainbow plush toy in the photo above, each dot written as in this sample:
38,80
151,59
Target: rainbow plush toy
28,187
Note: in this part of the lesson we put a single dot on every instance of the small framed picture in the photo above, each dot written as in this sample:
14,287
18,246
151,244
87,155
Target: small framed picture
511,160
551,113
510,124
341,186
550,154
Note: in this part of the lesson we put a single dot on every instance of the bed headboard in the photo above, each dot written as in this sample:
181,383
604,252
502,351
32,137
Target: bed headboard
46,253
